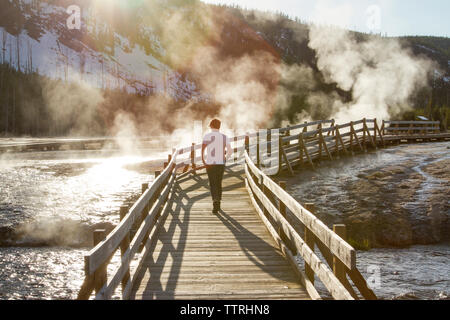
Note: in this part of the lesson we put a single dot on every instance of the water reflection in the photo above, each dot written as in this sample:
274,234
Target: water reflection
51,201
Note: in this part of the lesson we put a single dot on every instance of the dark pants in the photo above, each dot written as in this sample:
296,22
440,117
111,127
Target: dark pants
215,176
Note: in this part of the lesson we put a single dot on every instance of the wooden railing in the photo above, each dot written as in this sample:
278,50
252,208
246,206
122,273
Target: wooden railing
145,215
302,144
410,127
284,217
276,209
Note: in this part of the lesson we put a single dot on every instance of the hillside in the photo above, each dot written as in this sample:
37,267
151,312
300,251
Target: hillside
147,59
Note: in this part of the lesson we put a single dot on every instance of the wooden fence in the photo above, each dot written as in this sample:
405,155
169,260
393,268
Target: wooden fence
410,127
276,208
146,215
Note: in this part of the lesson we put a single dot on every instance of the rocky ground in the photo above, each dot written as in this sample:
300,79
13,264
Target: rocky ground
392,209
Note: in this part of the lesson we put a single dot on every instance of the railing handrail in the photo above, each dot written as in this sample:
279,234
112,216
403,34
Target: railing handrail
411,122
340,248
100,253
98,257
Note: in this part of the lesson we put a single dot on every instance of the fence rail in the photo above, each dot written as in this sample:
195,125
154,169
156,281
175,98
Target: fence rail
410,127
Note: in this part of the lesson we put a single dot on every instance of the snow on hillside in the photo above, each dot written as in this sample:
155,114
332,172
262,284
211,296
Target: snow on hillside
124,66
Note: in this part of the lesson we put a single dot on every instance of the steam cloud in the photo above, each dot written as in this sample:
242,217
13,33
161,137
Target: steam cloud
74,104
380,74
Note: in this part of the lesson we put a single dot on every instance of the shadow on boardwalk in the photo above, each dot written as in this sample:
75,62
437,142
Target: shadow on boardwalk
201,255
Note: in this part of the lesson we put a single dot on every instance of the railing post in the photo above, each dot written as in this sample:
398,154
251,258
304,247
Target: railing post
235,158
319,127
375,131
258,159
124,246
364,134
193,157
338,268
157,174
422,131
280,154
351,136
310,241
336,143
247,143
282,209
300,148
100,276
147,207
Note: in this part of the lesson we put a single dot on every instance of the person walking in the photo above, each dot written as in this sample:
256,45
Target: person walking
218,150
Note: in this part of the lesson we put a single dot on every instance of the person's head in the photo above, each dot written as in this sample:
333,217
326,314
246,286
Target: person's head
215,124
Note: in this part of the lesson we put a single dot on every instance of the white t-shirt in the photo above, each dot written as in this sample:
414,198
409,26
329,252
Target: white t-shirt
216,143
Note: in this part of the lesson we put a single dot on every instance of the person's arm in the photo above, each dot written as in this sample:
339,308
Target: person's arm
203,153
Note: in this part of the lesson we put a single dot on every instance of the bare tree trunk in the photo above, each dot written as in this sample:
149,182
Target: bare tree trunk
10,53
4,46
14,112
2,102
18,51
7,112
31,58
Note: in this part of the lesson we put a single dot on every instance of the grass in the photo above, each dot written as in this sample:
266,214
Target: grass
360,245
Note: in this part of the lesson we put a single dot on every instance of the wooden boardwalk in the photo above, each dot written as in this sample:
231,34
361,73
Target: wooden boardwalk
201,255
249,250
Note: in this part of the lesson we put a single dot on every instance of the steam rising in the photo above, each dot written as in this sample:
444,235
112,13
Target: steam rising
380,74
74,104
244,87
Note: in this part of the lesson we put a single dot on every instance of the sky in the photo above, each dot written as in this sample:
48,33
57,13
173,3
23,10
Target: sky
391,17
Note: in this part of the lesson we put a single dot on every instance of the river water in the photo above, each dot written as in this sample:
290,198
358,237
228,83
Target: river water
56,199
414,272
